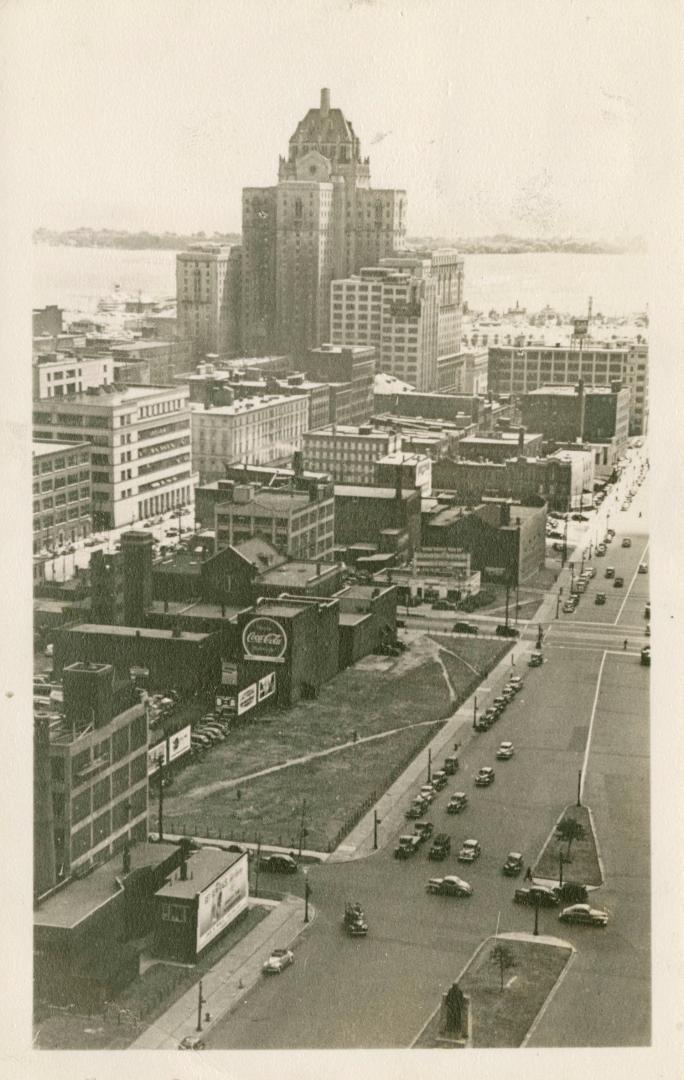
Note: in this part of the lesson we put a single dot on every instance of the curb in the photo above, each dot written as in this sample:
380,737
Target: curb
540,880
552,993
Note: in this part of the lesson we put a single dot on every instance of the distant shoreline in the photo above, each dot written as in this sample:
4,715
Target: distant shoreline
114,240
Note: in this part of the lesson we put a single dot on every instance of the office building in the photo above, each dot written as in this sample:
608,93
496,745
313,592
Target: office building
59,374
565,479
62,496
141,446
348,453
297,523
500,445
322,221
598,414
208,283
415,471
350,372
253,430
506,540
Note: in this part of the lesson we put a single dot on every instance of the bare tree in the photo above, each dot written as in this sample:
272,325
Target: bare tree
503,957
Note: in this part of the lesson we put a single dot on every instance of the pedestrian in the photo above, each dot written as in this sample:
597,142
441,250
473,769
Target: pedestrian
624,645
528,874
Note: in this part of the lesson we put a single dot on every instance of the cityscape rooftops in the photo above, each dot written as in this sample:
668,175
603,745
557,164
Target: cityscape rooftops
292,574
567,390
108,396
268,500
203,867
135,631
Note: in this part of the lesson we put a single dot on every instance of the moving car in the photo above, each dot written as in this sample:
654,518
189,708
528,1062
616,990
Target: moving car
535,660
407,846
618,583
278,864
464,628
354,920
278,961
440,779
457,802
441,846
470,850
416,809
600,598
513,864
191,1042
626,542
540,894
485,777
451,764
583,915
609,572
601,550
643,568
450,886
423,829
505,751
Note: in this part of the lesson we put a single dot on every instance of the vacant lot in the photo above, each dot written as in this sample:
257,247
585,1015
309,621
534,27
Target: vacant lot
501,1018
406,698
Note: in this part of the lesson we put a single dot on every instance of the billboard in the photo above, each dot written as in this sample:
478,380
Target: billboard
179,742
221,902
247,699
581,327
267,686
264,639
154,753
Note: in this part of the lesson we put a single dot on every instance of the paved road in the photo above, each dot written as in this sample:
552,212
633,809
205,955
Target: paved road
378,992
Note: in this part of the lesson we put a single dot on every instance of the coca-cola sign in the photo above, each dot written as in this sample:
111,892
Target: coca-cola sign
264,639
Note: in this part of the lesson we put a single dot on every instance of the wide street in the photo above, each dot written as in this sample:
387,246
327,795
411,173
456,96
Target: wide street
585,709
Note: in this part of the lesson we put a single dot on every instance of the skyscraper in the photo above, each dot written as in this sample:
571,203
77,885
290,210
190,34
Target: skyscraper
208,298
322,221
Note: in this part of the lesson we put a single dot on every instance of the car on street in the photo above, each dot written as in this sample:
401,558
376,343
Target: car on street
647,610
278,864
583,915
191,1042
416,810
536,660
540,894
626,541
569,607
278,961
423,829
443,605
464,628
449,886
506,631
646,656
590,571
450,764
513,685
601,550
516,680
427,793
609,572
618,583
407,846
600,598
610,533
505,751
457,802
499,703
484,777
440,779
441,846
470,850
490,715
643,568
572,892
513,864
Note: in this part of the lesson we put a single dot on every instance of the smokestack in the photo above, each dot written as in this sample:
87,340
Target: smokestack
325,102
397,484
582,403
521,441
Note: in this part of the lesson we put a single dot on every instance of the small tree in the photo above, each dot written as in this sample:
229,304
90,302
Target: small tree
569,829
503,957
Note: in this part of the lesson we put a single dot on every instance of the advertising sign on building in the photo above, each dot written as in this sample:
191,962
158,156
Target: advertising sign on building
179,742
267,686
247,699
264,639
221,902
581,327
154,754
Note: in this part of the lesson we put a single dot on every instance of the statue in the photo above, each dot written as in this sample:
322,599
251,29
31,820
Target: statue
454,1010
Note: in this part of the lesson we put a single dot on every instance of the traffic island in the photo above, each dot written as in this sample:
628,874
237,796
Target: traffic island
571,851
501,993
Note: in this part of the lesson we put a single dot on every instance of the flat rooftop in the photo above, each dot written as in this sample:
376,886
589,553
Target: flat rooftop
109,398
196,609
353,491
106,630
203,867
506,438
180,562
349,431
82,896
244,405
267,500
297,573
567,390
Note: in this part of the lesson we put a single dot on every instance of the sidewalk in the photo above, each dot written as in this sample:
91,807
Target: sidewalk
230,979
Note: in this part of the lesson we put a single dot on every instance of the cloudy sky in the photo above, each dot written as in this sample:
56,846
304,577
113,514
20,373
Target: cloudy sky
527,117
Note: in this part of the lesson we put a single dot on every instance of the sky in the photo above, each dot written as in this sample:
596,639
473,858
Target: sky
529,117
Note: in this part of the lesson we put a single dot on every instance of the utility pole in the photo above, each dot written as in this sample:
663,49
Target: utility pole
376,822
429,764
160,779
560,868
536,915
508,593
579,788
258,864
301,828
475,711
200,1002
307,892
565,544
558,600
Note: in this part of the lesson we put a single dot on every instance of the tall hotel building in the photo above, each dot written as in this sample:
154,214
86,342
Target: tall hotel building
208,298
322,221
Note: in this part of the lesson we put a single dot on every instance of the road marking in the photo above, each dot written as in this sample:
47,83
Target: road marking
591,726
641,558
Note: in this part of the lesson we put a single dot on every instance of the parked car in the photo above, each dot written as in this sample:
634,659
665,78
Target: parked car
505,751
540,894
191,1042
464,628
516,680
470,850
646,656
506,631
569,606
440,779
416,810
499,703
601,550
407,846
647,610
423,829
278,961
513,864
484,777
643,568
441,846
451,764
457,802
583,915
427,793
600,598
590,571
536,660
450,886
278,864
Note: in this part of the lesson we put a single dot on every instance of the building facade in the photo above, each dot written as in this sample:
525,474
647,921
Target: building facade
297,523
59,374
253,430
62,496
322,221
141,447
208,297
565,480
348,453
350,372
567,413
520,369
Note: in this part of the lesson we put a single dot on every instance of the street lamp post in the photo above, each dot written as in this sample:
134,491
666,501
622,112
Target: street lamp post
558,600
376,822
536,915
560,868
306,895
429,774
475,711
200,1002
579,788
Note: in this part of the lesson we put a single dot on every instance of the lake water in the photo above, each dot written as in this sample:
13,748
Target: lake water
76,278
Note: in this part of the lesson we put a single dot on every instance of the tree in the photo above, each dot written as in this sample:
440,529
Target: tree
503,957
569,829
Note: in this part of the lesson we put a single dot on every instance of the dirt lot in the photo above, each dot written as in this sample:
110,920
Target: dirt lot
331,754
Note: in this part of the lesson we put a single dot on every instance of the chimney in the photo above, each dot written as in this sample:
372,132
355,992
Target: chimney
521,441
183,865
397,484
325,102
582,404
